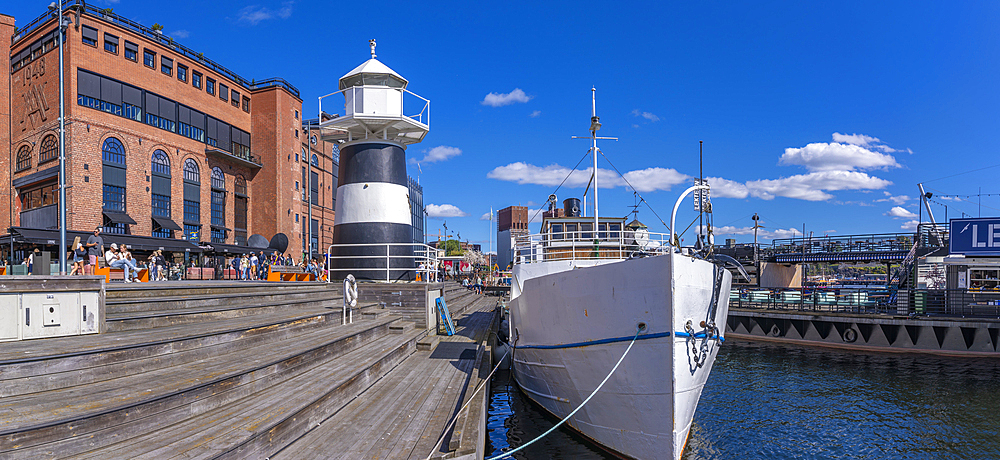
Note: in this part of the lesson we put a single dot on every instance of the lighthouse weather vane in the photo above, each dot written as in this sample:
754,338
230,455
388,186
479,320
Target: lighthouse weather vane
371,43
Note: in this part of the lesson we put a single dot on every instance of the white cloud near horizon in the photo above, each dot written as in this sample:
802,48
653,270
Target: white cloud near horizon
436,211
895,199
762,233
502,99
821,156
813,186
254,14
535,114
181,34
644,180
901,212
910,226
486,216
439,153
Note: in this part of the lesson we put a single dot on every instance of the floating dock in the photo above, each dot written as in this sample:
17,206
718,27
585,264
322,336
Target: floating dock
249,370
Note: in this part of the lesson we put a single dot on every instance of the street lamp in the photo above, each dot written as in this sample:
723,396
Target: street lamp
62,140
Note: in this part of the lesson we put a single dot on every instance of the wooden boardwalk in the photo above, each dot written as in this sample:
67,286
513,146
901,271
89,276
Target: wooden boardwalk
246,370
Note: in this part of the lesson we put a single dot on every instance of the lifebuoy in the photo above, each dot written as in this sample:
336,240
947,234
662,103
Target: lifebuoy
850,335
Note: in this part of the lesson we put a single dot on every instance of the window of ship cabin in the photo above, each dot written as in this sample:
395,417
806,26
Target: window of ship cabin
223,92
196,79
210,86
111,43
149,58
89,35
602,231
587,229
571,231
131,51
166,65
556,231
615,228
182,73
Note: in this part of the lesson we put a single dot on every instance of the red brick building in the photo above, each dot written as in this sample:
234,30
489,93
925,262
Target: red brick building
161,142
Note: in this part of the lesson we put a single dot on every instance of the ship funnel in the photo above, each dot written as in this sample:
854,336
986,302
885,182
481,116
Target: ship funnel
571,207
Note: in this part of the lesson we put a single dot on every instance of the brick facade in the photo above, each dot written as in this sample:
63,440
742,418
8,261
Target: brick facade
273,121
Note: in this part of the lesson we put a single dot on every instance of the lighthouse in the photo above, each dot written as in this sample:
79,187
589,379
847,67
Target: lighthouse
372,232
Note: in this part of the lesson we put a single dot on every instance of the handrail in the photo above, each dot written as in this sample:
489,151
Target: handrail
580,245
423,255
419,117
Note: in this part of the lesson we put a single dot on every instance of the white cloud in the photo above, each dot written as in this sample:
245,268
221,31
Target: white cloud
649,116
896,200
910,226
725,188
855,139
253,14
439,153
501,99
762,233
644,180
812,186
821,156
444,210
535,114
486,216
901,212
180,34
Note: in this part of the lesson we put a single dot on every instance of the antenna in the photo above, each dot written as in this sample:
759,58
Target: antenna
371,43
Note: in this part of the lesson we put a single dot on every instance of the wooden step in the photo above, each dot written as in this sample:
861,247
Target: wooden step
77,413
180,302
400,327
428,343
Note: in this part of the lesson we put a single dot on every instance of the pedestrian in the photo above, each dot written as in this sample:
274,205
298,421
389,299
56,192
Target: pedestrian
95,248
253,265
116,259
79,255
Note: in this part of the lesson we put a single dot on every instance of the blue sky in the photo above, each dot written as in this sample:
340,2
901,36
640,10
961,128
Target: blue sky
824,114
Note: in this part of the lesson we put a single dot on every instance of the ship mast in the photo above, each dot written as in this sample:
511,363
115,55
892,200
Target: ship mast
595,124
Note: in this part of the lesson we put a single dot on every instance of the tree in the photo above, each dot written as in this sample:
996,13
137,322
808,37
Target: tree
452,248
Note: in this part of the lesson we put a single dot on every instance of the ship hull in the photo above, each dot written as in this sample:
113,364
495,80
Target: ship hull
572,321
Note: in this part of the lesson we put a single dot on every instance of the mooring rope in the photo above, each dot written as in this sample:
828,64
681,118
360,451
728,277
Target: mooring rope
471,398
557,425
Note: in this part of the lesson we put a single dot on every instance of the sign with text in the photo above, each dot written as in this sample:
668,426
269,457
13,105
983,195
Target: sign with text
975,236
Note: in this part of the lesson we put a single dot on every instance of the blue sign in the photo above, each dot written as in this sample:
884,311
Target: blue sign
975,236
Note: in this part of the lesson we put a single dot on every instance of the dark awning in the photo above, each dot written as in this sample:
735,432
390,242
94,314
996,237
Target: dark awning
134,242
220,248
166,223
119,218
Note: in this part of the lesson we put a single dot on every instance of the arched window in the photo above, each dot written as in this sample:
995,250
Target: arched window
218,206
192,201
50,149
113,158
160,185
23,158
113,151
315,160
240,215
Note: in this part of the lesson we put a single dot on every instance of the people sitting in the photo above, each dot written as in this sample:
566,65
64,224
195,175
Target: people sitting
123,260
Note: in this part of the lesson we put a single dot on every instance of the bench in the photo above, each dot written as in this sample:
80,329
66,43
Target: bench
119,274
288,273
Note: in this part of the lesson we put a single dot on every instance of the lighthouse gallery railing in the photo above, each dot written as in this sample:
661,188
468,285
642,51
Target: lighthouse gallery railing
424,260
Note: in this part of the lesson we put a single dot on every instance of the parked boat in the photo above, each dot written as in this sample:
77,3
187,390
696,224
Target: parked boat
583,290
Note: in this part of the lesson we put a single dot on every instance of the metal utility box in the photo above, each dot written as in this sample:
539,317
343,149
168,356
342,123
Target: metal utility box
33,307
41,264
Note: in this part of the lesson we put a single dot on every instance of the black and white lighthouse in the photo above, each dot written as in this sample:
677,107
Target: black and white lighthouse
372,232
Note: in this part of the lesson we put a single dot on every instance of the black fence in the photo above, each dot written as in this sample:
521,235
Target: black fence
958,303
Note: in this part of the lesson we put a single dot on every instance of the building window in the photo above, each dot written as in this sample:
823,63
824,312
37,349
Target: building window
131,51
166,65
223,92
50,149
113,152
218,179
296,134
161,205
296,114
114,198
160,168
149,58
246,104
89,35
182,73
218,198
192,201
210,86
196,79
240,216
111,43
218,235
315,160
160,163
236,99
38,197
23,159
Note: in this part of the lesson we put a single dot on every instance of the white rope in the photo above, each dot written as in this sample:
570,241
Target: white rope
512,452
455,417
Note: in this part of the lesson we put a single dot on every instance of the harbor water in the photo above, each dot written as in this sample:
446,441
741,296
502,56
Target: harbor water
782,401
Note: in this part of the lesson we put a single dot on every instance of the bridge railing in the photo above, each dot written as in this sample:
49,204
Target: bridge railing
962,303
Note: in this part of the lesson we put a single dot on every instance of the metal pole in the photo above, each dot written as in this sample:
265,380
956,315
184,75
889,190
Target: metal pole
309,192
701,196
593,135
62,150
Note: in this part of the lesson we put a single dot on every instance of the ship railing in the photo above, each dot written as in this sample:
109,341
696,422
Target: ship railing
874,300
424,260
588,245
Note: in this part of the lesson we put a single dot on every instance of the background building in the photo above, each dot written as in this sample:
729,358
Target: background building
512,222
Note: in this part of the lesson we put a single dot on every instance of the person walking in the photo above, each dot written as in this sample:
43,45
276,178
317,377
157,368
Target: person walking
79,255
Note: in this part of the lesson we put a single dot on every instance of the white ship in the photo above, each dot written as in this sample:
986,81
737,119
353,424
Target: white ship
579,297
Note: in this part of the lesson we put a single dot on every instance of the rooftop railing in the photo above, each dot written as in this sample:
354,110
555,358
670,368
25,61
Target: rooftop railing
588,245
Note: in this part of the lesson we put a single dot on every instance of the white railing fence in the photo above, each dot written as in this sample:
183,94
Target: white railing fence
424,261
